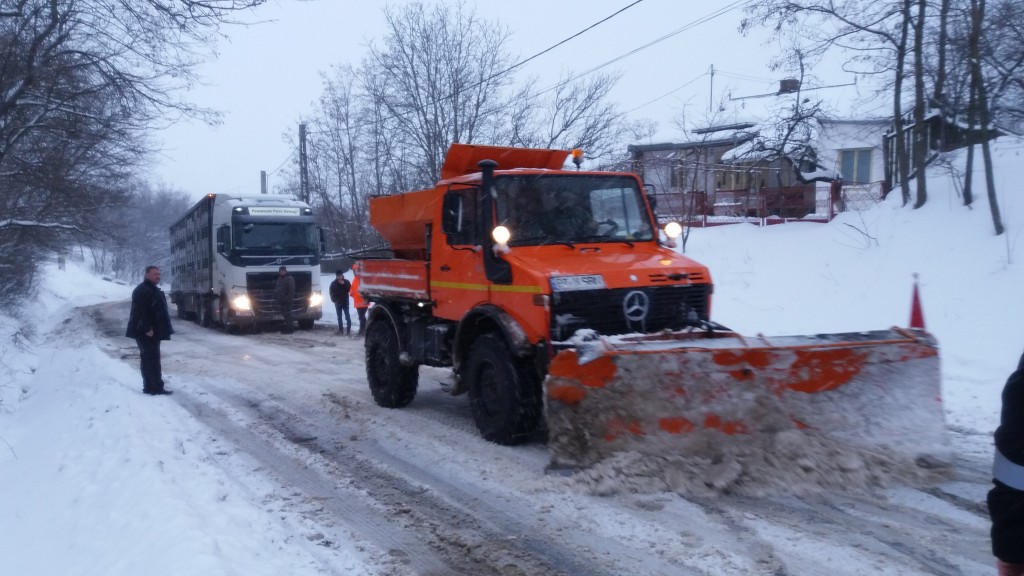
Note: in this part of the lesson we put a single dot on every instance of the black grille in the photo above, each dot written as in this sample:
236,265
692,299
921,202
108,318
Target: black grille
261,292
649,309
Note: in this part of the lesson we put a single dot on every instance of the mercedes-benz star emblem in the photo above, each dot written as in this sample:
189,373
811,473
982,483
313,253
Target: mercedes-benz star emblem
635,306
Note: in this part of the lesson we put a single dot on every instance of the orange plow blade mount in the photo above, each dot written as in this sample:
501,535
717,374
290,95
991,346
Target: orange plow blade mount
687,393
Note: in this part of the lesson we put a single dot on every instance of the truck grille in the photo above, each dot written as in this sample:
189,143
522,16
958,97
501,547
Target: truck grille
627,310
261,292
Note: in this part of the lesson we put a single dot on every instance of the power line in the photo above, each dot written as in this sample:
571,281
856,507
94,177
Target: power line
721,11
550,48
665,95
290,156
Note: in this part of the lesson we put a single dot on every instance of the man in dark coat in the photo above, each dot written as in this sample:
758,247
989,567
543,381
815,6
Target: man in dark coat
339,290
148,324
1006,499
284,293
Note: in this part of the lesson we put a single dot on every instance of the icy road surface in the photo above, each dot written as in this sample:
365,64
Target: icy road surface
416,491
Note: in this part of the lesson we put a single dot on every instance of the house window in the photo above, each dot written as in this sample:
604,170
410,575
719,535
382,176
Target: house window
855,165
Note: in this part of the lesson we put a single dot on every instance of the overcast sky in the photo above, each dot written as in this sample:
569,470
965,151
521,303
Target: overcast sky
266,75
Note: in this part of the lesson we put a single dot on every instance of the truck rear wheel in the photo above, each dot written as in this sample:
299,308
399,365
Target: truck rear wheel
504,392
392,384
204,313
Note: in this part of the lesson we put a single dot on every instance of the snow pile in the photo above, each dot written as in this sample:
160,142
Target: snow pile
792,462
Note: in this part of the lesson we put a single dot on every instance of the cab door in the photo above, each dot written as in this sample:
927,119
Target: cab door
458,281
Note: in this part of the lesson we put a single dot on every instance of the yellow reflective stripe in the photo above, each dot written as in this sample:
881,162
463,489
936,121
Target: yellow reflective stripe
526,289
485,287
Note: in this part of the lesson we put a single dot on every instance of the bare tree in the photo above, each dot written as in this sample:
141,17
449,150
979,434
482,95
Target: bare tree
576,115
877,34
442,75
981,101
80,83
920,131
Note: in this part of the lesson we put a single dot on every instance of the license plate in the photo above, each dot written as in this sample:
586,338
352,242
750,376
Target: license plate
570,283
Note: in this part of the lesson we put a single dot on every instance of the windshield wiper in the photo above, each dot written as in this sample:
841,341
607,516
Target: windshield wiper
602,238
541,241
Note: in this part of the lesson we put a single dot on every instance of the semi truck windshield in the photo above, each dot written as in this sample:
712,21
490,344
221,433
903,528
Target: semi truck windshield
276,238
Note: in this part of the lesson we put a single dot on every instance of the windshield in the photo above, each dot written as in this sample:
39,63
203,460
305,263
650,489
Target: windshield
543,209
276,238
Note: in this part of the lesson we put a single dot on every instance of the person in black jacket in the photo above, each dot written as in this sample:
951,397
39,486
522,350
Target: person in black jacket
284,293
148,324
339,290
1006,499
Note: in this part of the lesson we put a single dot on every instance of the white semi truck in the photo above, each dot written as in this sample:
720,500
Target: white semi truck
225,255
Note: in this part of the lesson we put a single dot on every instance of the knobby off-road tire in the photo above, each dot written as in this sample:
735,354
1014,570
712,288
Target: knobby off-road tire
504,392
392,384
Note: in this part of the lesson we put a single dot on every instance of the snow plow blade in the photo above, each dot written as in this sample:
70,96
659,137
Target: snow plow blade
679,393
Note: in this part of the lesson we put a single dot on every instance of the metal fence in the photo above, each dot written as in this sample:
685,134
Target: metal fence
765,206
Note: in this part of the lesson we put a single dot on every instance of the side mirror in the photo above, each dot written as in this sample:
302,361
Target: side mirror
650,191
323,244
223,239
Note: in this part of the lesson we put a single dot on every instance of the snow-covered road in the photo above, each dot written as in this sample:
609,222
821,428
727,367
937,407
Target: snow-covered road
416,491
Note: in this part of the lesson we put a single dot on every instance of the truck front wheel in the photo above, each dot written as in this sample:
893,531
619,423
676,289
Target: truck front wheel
504,392
392,384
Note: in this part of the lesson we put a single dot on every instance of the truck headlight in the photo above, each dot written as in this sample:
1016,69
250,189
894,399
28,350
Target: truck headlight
241,302
316,299
673,230
501,235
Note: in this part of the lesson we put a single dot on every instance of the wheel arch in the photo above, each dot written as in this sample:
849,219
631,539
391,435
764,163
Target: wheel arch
486,319
380,312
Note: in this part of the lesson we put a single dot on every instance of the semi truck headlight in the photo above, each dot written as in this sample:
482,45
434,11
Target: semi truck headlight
241,302
316,299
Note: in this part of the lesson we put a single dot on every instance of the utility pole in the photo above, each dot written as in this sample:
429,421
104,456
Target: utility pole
711,92
263,181
303,164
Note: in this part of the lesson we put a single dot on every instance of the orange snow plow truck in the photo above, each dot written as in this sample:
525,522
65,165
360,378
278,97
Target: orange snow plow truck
554,297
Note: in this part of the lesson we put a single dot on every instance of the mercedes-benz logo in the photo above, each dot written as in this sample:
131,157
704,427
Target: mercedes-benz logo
635,306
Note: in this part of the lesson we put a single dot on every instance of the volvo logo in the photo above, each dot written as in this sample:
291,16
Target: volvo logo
635,306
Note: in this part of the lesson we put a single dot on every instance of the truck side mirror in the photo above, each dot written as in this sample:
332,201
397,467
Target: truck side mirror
650,190
323,244
223,238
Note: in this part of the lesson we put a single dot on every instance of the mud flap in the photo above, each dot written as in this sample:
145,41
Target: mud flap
675,393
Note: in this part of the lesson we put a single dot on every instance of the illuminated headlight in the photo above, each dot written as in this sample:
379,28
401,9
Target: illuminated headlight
316,299
501,235
241,302
673,230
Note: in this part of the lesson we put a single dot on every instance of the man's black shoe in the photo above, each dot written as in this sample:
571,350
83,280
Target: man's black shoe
158,392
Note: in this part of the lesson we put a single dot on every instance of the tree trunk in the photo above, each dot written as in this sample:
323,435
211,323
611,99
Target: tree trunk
921,144
940,73
902,164
977,17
